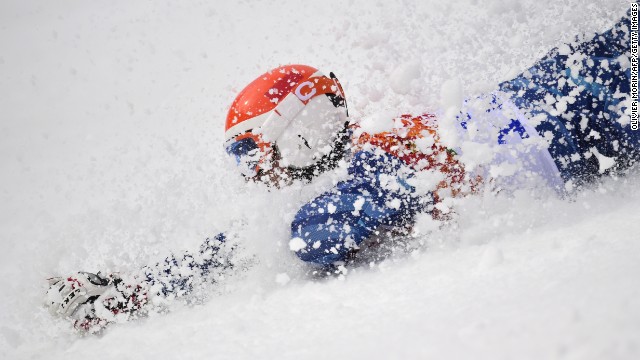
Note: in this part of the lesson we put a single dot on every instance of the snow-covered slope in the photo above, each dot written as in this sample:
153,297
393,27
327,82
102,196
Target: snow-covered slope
110,155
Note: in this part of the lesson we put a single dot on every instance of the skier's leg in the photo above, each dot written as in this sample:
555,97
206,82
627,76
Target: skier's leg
577,96
180,276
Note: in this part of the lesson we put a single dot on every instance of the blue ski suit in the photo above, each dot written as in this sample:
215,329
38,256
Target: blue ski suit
573,98
573,101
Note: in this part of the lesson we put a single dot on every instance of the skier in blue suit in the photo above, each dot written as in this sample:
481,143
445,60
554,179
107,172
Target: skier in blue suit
562,123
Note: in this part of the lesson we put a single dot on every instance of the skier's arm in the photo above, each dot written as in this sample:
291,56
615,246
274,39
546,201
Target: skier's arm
578,94
376,195
93,301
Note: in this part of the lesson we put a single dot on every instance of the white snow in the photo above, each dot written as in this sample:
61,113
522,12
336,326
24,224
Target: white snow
476,153
564,49
111,156
405,77
357,205
296,244
394,204
604,162
451,94
442,207
491,256
425,143
283,279
382,121
331,208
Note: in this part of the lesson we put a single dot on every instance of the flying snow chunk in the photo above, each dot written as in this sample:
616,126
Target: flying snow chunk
297,244
425,143
442,207
561,106
564,49
503,169
569,185
427,180
282,279
378,122
394,204
331,208
451,95
404,76
425,224
358,203
604,162
491,257
474,154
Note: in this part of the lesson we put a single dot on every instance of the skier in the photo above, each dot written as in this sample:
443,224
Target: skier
562,123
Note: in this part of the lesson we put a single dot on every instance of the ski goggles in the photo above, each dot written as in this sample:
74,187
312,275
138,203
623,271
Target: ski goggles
242,148
250,153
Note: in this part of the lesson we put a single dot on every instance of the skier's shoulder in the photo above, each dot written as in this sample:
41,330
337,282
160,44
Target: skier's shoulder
386,125
414,140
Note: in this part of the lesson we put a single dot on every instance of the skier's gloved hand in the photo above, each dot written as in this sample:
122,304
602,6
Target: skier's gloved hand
74,296
93,301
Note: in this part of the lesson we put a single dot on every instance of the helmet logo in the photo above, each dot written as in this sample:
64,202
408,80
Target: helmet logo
309,95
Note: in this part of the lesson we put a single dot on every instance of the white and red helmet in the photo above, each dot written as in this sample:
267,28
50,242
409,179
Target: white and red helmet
292,118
